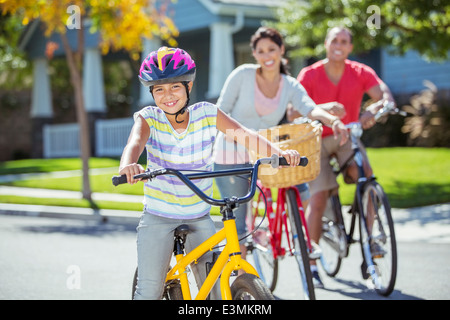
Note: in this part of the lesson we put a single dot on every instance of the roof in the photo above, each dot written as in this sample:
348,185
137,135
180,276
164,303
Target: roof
259,3
192,15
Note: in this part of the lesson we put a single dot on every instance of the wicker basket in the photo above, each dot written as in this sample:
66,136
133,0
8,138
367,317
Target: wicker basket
306,139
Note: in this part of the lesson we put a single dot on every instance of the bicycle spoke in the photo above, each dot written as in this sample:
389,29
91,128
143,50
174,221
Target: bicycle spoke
333,239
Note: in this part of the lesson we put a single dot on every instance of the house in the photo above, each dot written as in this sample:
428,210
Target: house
216,33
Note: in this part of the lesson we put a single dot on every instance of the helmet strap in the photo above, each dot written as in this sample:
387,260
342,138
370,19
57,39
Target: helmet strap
182,110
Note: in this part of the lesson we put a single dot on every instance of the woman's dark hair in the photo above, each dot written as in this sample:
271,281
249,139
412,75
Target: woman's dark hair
276,37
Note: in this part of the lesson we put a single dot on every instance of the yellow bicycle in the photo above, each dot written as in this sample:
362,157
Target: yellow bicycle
246,286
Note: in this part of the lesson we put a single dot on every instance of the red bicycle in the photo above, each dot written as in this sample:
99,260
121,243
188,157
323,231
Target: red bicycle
269,245
288,217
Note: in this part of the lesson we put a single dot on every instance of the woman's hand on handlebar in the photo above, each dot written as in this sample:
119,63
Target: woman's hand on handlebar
335,108
340,131
292,157
130,170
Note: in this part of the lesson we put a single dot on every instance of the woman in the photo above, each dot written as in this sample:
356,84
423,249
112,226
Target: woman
258,95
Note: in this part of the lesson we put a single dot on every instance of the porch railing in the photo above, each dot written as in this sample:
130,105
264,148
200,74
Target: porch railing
62,140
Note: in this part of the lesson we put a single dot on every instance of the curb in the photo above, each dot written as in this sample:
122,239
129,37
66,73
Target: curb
437,215
101,215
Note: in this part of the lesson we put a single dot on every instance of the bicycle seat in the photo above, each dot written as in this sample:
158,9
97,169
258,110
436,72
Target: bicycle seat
182,231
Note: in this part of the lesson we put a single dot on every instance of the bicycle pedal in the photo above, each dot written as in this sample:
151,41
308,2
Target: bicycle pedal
364,272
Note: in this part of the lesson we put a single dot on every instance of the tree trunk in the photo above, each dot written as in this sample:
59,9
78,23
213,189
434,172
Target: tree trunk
76,80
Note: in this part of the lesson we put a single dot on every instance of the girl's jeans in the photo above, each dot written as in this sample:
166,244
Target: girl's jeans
155,248
235,186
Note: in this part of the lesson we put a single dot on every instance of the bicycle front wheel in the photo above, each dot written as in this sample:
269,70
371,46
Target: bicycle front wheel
250,287
333,241
378,242
261,247
300,249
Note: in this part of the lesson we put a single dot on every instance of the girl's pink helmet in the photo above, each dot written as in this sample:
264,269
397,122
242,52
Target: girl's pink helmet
167,65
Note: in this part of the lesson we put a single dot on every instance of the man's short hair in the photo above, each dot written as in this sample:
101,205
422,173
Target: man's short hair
339,29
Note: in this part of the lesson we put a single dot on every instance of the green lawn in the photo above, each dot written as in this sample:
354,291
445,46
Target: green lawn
410,176
49,165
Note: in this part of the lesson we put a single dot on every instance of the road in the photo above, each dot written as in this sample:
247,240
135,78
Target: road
70,259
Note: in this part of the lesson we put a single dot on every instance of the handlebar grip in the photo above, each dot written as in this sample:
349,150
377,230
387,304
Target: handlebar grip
303,161
116,180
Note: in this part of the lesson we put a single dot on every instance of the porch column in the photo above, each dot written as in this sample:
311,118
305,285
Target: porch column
145,98
93,90
221,58
41,105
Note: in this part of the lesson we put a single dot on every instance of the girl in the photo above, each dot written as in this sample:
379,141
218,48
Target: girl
179,136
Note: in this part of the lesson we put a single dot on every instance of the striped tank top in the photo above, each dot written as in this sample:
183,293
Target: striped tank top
192,149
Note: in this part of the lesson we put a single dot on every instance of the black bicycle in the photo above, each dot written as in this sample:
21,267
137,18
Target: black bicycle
376,227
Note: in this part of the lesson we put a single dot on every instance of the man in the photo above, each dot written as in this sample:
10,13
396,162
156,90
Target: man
338,85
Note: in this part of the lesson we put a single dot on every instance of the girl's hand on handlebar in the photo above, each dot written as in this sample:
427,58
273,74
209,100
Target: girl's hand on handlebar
130,170
292,157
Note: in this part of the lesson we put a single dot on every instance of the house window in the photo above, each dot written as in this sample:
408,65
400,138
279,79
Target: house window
243,54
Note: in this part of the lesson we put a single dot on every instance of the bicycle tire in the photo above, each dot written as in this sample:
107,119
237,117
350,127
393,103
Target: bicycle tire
300,248
134,285
333,237
382,269
261,248
250,287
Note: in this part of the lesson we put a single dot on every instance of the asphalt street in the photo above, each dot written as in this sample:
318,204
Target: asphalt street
77,255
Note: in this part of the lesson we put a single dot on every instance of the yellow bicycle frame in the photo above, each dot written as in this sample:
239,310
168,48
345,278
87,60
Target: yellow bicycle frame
228,261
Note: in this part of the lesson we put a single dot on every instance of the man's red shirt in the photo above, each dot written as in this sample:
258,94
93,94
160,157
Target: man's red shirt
355,81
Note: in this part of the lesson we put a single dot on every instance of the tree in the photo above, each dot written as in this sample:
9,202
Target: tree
398,25
121,24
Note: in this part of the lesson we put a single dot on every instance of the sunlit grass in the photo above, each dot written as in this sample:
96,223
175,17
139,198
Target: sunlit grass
410,176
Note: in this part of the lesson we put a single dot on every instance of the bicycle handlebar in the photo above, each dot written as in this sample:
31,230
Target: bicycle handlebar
274,161
388,108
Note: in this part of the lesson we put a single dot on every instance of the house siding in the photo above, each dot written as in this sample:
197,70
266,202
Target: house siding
189,15
406,74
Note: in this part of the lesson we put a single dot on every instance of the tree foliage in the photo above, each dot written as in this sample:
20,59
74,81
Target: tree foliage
121,24
399,25
14,73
